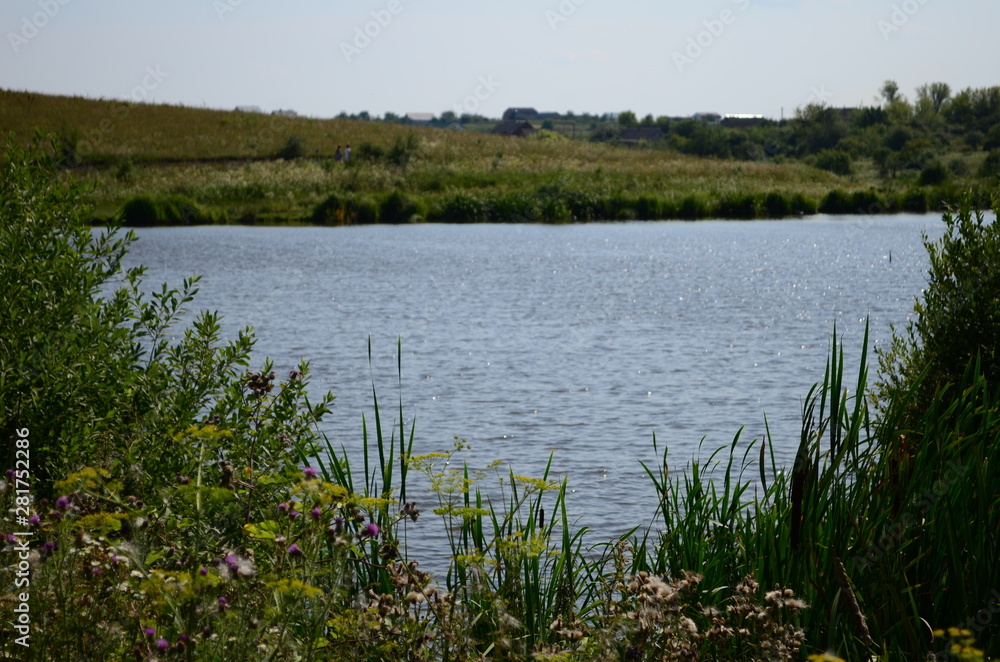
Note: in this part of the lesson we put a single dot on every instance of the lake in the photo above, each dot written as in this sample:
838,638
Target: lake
581,341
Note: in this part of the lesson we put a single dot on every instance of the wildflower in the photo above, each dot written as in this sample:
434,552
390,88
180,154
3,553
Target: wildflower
223,604
295,376
370,531
34,519
49,546
162,644
309,473
294,550
283,507
203,571
62,503
293,513
149,632
316,513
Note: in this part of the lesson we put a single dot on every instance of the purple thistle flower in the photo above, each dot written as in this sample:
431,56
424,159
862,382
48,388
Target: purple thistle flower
203,571
9,473
223,603
293,513
162,644
11,537
149,632
372,530
230,559
282,506
309,473
316,513
34,519
62,503
49,546
294,550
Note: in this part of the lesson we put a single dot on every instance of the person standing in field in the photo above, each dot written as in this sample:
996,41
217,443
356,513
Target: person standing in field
338,156
347,154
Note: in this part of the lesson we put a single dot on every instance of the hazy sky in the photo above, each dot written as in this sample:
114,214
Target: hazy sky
670,57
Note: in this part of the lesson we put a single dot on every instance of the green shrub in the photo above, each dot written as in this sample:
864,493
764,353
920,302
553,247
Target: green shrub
292,149
401,208
738,205
991,166
915,200
346,209
153,210
835,161
868,202
776,205
692,207
933,174
463,208
404,149
837,202
958,320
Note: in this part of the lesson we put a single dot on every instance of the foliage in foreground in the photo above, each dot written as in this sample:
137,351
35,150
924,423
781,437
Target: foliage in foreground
187,508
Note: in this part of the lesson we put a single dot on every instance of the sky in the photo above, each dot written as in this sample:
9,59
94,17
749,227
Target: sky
670,57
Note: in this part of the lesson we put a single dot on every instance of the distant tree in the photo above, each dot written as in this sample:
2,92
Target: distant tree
936,93
364,116
890,92
390,117
627,119
448,116
548,125
648,121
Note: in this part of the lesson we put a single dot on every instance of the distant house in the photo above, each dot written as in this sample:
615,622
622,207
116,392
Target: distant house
419,118
632,137
512,114
707,117
515,128
741,121
285,113
249,109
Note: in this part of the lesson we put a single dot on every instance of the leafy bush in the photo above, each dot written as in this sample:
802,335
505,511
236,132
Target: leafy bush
401,208
346,209
835,161
292,149
991,166
738,206
404,149
958,320
933,174
776,205
152,210
837,202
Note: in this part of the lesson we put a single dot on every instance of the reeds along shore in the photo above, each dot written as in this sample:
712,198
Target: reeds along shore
255,538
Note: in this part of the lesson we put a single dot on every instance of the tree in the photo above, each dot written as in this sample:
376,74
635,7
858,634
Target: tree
890,92
627,119
936,93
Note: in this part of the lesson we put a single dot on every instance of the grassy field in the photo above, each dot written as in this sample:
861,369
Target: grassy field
198,165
